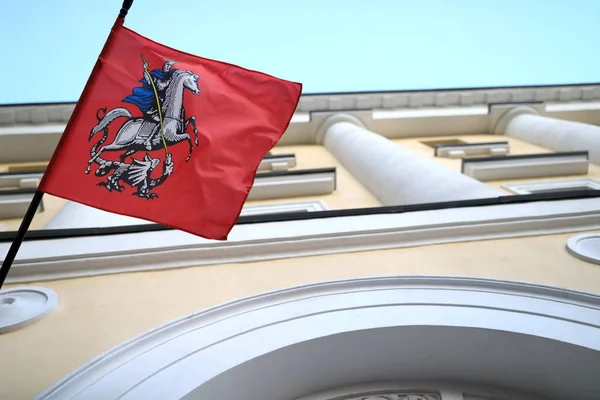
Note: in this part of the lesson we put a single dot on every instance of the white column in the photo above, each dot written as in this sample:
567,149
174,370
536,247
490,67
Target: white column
394,174
554,134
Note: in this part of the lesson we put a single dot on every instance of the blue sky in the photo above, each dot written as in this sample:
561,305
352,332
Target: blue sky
48,47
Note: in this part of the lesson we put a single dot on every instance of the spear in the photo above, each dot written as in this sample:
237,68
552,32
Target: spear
160,118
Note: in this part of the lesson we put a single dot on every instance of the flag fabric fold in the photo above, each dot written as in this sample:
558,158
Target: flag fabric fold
169,137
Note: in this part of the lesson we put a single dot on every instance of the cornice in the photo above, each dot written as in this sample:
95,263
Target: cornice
101,255
41,113
447,98
422,113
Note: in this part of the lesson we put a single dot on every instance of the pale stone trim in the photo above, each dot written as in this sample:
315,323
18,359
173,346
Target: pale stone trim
532,187
497,169
185,358
99,255
300,206
286,186
473,149
277,163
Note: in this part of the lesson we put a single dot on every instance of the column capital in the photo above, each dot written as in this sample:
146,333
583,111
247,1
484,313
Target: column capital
502,122
334,119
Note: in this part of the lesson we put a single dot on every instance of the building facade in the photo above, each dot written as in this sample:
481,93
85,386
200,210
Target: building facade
434,245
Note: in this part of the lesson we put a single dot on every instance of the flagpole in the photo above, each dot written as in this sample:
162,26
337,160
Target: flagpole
16,244
37,199
125,8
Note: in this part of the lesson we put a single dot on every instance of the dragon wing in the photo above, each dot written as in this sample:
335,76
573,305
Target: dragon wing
139,171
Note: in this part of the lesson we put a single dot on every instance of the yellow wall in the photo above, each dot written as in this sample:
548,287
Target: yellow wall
97,313
517,147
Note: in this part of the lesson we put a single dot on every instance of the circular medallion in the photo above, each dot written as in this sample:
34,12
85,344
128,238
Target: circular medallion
586,247
23,306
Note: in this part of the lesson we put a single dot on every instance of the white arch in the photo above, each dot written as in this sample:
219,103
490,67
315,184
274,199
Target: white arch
293,342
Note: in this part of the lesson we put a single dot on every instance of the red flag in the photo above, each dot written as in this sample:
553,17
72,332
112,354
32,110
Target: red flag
218,120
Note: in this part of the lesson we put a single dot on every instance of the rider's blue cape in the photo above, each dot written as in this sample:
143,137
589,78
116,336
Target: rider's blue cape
144,97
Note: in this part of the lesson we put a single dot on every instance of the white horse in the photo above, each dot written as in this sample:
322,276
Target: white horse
133,134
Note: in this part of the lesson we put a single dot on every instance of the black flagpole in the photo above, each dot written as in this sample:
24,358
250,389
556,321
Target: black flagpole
16,244
37,199
125,8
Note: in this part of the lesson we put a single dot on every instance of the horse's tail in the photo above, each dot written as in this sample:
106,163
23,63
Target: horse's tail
100,142
108,117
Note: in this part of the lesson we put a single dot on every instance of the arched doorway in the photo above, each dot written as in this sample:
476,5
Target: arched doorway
526,340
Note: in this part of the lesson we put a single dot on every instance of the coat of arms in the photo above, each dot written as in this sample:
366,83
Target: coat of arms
163,123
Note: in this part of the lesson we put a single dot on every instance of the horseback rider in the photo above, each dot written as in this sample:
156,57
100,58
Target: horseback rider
145,98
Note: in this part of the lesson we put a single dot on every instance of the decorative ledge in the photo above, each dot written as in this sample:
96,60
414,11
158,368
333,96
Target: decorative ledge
451,98
572,106
526,166
472,149
300,118
265,209
90,255
14,203
552,186
430,112
278,162
283,184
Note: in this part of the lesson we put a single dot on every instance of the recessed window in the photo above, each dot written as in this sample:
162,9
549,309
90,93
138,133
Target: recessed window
553,186
448,142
